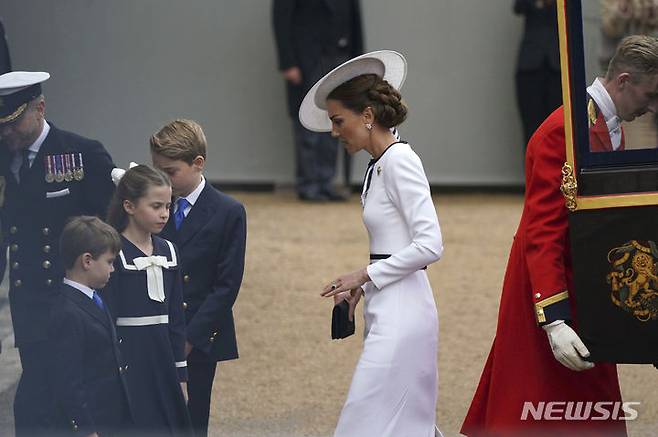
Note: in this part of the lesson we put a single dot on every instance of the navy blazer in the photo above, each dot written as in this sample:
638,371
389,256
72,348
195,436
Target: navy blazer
33,215
87,373
211,244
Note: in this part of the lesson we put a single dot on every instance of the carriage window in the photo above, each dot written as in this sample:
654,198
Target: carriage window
615,131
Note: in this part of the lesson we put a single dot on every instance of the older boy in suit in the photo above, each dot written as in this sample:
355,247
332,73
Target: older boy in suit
210,230
86,368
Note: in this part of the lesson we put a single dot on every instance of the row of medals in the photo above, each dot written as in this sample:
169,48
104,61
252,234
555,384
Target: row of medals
65,167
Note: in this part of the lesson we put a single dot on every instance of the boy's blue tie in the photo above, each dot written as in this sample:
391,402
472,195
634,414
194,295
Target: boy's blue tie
98,301
179,215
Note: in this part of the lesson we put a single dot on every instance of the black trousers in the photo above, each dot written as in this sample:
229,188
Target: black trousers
34,403
317,153
201,374
538,94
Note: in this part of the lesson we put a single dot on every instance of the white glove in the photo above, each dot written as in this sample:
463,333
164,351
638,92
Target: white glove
567,347
117,173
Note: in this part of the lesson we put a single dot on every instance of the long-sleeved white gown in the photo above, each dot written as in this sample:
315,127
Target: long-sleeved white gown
394,387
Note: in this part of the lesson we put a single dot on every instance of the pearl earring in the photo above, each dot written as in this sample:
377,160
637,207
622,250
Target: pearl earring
368,126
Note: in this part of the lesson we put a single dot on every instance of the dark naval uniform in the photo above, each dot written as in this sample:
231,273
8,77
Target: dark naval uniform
68,176
33,215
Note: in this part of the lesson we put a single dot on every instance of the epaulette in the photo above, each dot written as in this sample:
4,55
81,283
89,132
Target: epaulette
592,112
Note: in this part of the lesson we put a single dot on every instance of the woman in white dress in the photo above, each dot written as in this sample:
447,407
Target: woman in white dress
394,388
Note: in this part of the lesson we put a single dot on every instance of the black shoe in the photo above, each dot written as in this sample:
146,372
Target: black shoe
313,197
334,196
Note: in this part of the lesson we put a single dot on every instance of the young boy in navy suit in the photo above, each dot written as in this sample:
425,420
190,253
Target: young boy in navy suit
87,371
210,230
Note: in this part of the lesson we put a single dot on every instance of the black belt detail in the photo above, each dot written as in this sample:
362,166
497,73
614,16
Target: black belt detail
376,256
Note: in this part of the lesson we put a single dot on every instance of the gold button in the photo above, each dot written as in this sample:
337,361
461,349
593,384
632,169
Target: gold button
186,278
46,264
13,230
15,266
18,283
13,247
45,231
46,248
537,295
49,282
184,305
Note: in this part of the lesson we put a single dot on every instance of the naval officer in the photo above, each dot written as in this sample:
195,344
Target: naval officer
49,175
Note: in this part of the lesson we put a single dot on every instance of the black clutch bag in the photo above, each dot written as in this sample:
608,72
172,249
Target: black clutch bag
341,326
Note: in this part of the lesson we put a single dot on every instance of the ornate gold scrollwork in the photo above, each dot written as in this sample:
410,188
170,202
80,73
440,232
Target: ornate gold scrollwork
569,187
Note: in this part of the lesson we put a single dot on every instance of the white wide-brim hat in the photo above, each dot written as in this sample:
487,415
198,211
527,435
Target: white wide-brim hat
387,64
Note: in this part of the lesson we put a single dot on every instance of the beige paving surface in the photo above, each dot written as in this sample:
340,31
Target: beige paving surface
291,379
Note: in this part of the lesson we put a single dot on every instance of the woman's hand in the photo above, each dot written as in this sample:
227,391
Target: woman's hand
352,297
348,282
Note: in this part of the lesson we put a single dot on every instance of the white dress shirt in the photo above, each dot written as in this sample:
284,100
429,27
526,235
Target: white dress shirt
82,288
33,150
192,197
603,100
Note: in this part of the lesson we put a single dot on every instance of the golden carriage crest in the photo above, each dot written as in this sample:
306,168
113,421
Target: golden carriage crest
633,280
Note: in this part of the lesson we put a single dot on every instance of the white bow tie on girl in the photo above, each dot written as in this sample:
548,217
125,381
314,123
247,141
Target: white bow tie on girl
154,280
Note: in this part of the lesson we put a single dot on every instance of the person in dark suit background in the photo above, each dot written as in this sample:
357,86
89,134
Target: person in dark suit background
538,86
210,230
312,37
5,60
86,366
5,67
50,175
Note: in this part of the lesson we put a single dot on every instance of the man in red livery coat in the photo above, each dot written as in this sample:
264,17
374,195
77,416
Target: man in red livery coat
600,138
536,376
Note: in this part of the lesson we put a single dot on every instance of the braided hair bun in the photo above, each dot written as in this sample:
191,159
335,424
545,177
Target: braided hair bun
370,90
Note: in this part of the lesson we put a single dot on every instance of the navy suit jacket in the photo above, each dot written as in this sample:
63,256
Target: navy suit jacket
86,367
33,215
540,36
307,30
211,243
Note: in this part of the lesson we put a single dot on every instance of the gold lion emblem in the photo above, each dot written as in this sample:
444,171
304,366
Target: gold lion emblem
633,280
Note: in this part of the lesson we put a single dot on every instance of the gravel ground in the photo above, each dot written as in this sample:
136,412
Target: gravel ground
291,379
